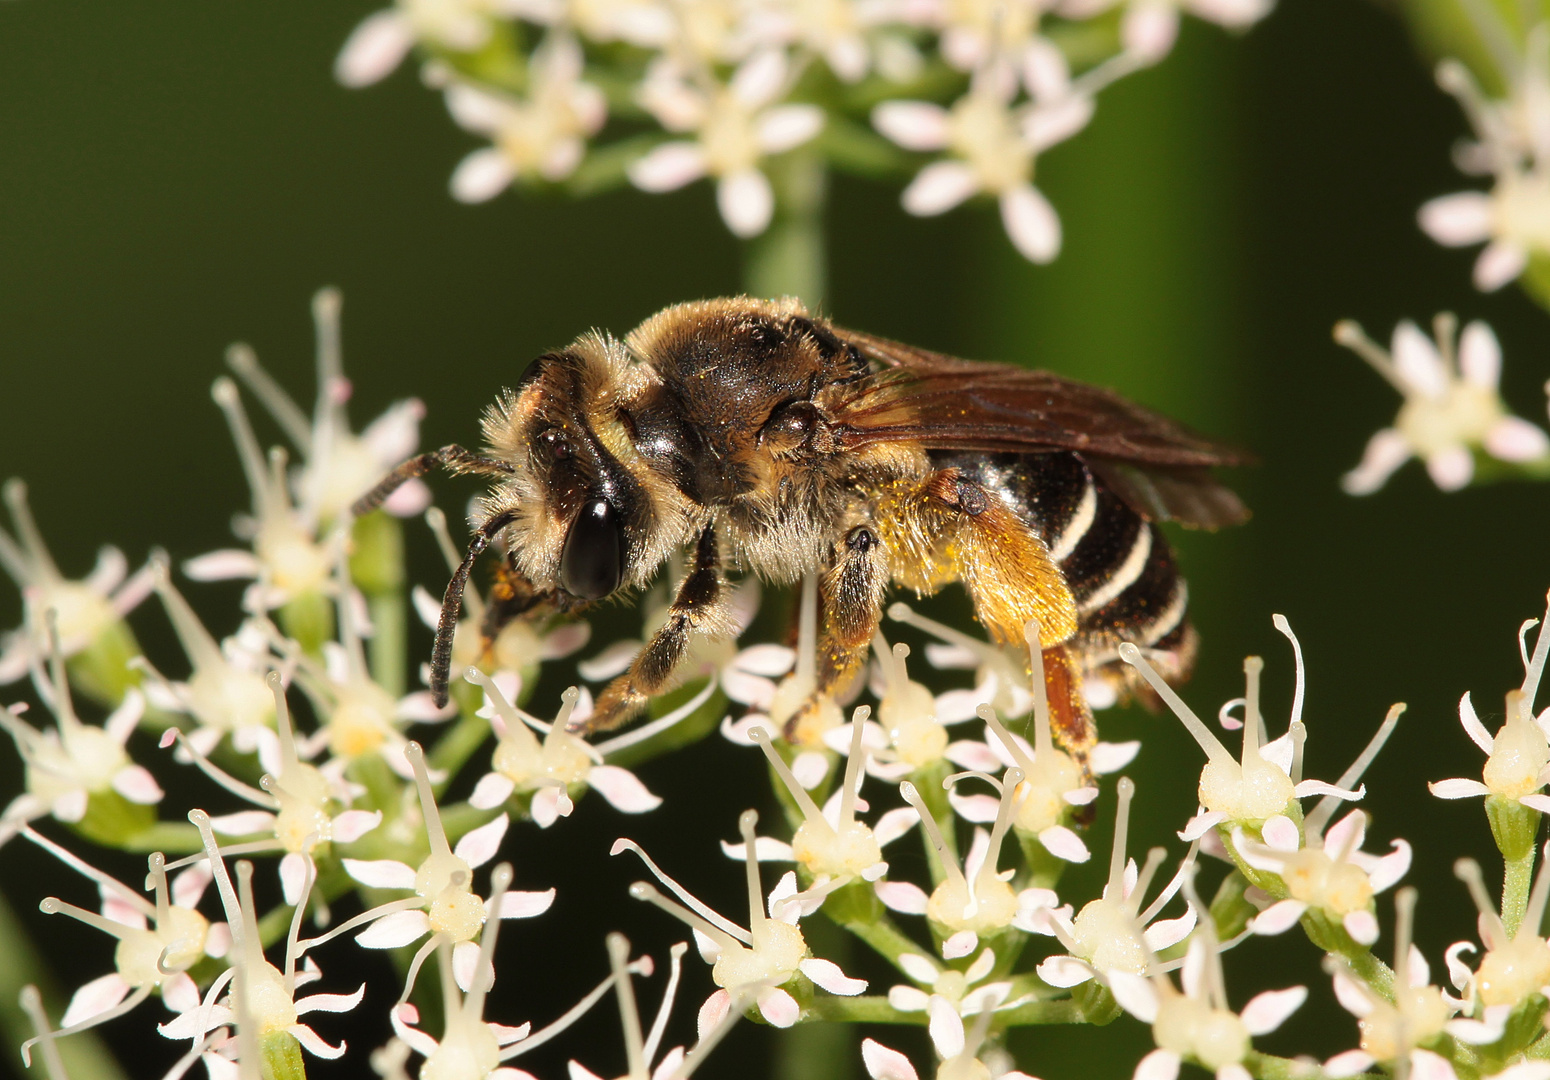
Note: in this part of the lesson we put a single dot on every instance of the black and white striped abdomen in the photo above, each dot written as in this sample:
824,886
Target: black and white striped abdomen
1118,566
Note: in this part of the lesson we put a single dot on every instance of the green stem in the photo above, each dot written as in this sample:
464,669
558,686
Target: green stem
1517,879
886,939
1270,1067
790,258
167,837
870,1009
1064,1011
390,643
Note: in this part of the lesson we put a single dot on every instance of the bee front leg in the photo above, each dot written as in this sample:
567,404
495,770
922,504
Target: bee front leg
850,596
701,607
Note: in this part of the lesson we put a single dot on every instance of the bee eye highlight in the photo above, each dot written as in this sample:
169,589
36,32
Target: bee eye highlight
592,563
555,444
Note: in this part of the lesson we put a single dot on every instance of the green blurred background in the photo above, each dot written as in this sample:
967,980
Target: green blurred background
176,175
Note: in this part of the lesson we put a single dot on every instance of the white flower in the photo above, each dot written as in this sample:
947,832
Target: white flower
542,134
1113,932
735,126
1451,405
444,904
157,941
84,611
1198,1025
1398,1022
381,41
955,1047
547,770
1515,966
754,963
993,146
1150,27
71,763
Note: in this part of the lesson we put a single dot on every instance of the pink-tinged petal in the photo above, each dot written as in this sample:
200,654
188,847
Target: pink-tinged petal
894,824
1500,262
622,789
71,806
351,825
1148,32
491,791
122,721
334,1003
223,565
549,804
1458,788
109,570
760,79
1045,71
828,975
1362,926
1080,796
1166,933
1107,757
565,639
1474,1032
465,964
765,849
908,999
668,167
374,48
421,708
1064,971
95,997
1472,725
1386,451
1536,802
973,754
1458,972
1135,995
810,768
613,660
914,125
1391,867
1268,1011
770,661
1158,1065
956,706
479,846
1348,1064
313,1043
427,607
120,910
669,1066
945,1026
526,905
1416,360
883,1063
481,176
919,968
293,877
1514,439
180,993
1420,970
395,930
243,823
712,1012
1425,1065
939,187
218,940
1278,917
505,1034
1451,468
752,690
475,110
408,501
1201,824
1525,1070
902,896
1480,355
788,126
1457,220
1048,124
1233,1071
1062,843
576,1071
1309,788
746,202
778,1007
960,945
137,785
1031,223
1280,834
1353,997
380,873
979,809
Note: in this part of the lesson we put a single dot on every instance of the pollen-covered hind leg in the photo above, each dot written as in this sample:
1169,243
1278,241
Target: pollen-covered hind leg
1071,719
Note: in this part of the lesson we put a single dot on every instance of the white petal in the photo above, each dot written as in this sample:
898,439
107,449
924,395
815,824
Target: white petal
1148,31
1458,220
1480,355
1514,439
1425,1065
746,202
1278,917
93,998
1451,468
465,964
960,945
779,1007
1165,933
1472,725
1280,834
1391,867
395,930
908,999
479,846
1320,787
1416,359
894,824
1362,926
1347,1064
1200,824
293,875
788,126
1458,972
1031,223
1135,995
1046,125
939,187
137,785
770,661
1064,971
1045,71
919,968
564,640
481,176
979,809
712,1012
760,79
945,1026
525,905
351,825
491,791
1386,451
914,125
380,873
622,789
1109,757
223,565
1475,1032
1525,1070
1458,788
765,849
334,1003
1499,263
1268,1011
904,897
612,661
810,767
374,48
243,823
1062,843
972,754
885,1064
828,975
420,707
313,1043
668,167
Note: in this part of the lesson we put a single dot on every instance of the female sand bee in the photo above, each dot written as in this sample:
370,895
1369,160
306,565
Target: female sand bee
767,439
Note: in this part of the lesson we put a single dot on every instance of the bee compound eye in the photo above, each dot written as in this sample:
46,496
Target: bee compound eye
592,563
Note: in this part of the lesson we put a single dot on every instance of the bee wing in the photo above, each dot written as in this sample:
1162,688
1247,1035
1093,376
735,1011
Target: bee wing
942,403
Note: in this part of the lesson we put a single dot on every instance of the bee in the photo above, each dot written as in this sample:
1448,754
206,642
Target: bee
766,440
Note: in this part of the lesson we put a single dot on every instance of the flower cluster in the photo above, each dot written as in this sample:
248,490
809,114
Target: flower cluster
586,93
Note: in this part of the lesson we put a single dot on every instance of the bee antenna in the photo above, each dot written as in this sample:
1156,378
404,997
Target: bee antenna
452,604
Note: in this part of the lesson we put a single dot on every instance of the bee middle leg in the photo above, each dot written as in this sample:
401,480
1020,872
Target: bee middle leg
701,607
